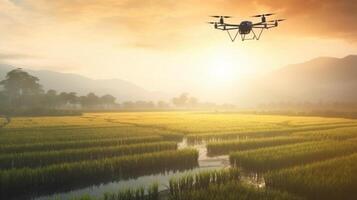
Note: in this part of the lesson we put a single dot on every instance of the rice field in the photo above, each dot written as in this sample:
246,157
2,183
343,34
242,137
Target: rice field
266,159
221,185
40,159
225,147
331,179
299,157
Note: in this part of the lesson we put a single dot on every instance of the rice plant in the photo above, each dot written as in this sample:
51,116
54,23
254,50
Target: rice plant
234,191
271,158
336,134
41,159
201,180
79,151
329,180
26,180
63,134
225,147
151,193
48,146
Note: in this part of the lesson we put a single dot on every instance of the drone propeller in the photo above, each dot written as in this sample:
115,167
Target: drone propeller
277,20
212,22
216,16
264,15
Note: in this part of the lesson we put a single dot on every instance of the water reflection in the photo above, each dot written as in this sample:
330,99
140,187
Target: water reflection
204,163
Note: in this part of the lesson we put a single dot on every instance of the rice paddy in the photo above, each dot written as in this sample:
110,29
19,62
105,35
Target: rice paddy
299,157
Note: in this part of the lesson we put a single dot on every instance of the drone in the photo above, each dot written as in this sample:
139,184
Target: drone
245,28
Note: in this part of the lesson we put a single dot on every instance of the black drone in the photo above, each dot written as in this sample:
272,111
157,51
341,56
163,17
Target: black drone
246,27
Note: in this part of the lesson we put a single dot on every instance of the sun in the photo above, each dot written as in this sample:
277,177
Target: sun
222,69
222,73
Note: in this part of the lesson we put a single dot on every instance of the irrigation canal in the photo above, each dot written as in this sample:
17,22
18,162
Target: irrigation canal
204,163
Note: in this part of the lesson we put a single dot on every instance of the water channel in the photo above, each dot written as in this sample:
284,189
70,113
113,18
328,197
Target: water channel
204,163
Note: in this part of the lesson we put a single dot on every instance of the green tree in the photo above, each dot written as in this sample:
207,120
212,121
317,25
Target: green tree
181,101
21,88
63,98
91,100
51,98
72,98
107,100
4,101
68,98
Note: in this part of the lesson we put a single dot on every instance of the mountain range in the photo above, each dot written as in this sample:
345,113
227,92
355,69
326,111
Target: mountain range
66,82
325,79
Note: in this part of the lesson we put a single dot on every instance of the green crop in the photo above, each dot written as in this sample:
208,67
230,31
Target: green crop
77,144
290,155
328,180
40,159
225,147
25,180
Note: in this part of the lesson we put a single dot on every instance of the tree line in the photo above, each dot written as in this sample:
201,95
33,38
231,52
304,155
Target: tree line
22,93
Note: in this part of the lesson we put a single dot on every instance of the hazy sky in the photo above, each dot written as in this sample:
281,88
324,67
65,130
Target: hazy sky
165,44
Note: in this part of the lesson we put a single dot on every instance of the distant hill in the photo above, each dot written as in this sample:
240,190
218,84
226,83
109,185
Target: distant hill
65,82
323,79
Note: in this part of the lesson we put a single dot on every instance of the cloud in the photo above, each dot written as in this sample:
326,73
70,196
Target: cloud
169,18
327,18
167,24
142,39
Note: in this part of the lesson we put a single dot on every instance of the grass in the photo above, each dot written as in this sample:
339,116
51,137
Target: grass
272,158
202,180
288,130
53,146
331,179
41,159
226,147
184,122
62,134
336,134
46,154
235,191
222,184
152,193
26,180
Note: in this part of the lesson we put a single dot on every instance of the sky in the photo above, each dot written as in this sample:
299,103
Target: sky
165,45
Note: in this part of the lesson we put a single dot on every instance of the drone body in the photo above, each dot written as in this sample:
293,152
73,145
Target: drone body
245,28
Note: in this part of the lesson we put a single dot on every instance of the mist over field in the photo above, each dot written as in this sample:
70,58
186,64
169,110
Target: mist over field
178,100
320,80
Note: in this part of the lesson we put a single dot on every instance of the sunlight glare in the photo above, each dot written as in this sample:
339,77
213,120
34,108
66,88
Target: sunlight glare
222,68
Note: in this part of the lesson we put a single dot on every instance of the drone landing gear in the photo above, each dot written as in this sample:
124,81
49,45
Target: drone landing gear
260,34
235,36
243,36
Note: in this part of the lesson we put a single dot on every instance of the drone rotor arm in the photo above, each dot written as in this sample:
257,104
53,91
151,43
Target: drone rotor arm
233,25
259,23
232,28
